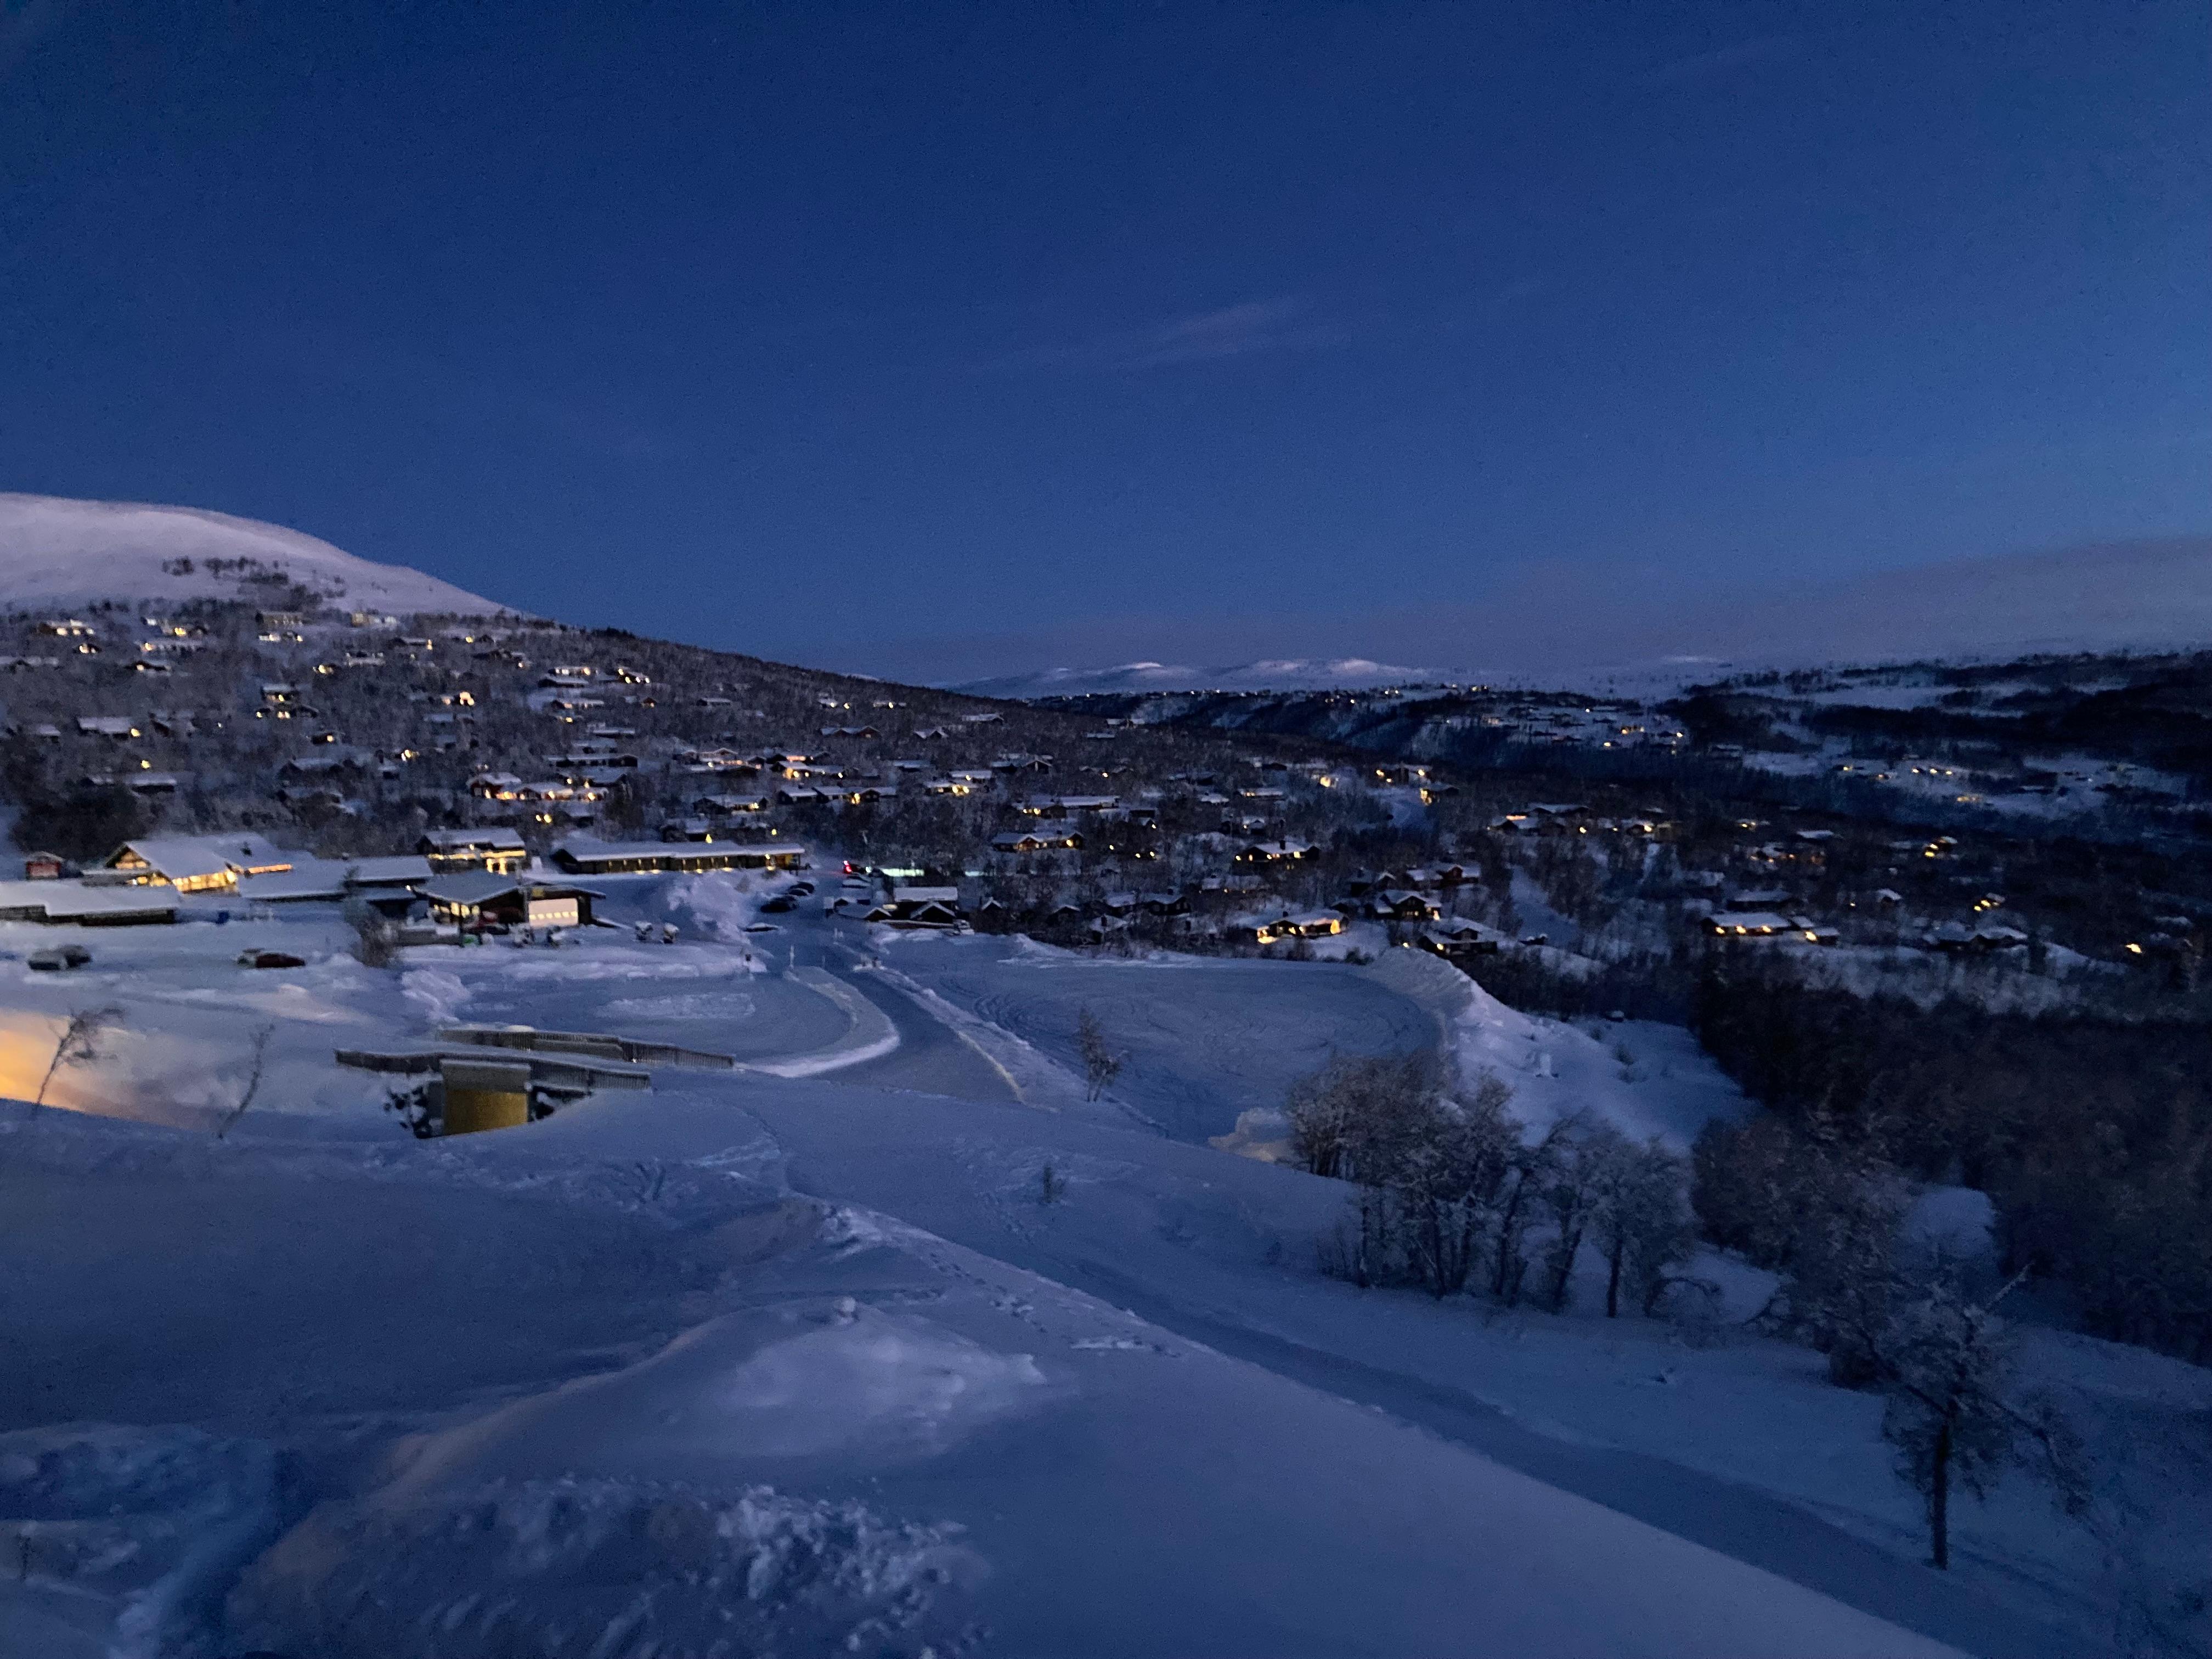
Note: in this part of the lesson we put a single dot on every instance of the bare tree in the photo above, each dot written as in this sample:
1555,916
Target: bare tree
1842,1272
1579,1176
1642,1220
1530,1172
252,1080
78,1044
1945,1367
1446,1181
1101,1065
1358,1115
374,943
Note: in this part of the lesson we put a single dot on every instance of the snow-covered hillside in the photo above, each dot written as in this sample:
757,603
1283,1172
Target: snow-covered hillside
1283,674
56,551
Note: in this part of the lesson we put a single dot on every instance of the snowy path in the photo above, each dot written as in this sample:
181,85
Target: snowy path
931,1058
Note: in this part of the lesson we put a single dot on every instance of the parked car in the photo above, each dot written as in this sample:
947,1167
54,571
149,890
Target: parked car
270,959
58,958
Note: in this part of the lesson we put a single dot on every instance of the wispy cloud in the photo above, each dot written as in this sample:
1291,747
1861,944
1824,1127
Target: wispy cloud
1726,60
1283,324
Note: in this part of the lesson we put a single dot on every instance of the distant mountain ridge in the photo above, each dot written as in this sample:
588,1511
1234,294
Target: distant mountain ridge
56,551
1592,631
1279,674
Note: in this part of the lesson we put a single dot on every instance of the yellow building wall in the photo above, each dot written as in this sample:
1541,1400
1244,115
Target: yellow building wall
470,1111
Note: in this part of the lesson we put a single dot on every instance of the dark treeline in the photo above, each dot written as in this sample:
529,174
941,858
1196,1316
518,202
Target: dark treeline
2092,1135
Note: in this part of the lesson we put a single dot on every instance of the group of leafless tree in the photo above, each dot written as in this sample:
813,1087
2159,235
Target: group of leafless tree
2090,1130
1453,1194
1828,1220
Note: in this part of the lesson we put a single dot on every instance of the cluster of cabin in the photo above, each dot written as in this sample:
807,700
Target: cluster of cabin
465,881
515,748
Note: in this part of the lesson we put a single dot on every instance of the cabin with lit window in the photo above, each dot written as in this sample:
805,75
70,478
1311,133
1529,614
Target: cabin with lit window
475,900
1307,924
1403,904
197,864
582,855
1461,937
499,851
933,909
1275,852
1037,840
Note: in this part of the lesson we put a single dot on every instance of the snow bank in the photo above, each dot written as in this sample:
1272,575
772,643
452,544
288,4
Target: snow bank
146,1525
582,1569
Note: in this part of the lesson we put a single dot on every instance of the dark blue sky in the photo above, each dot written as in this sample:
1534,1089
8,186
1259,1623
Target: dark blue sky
822,331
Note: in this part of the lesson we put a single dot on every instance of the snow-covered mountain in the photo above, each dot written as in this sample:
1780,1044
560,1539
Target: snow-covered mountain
1597,629
1281,674
57,551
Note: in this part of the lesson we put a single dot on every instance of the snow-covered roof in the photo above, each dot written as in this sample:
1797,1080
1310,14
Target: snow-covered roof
70,901
389,871
463,841
470,887
178,857
310,879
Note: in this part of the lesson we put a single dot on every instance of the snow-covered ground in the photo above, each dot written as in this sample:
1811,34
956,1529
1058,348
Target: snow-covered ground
55,552
753,1363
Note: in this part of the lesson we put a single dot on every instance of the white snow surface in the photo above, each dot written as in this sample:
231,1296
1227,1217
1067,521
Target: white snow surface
754,1364
57,552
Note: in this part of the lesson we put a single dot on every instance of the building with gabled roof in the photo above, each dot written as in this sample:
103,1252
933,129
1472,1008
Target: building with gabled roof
488,847
197,864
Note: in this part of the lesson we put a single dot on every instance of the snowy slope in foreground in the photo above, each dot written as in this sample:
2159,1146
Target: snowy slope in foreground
1287,674
863,1438
56,551
752,1365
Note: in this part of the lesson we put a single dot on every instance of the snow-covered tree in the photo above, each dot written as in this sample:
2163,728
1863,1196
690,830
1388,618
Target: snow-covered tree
1946,1368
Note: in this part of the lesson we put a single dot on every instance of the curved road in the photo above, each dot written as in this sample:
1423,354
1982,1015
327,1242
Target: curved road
931,1059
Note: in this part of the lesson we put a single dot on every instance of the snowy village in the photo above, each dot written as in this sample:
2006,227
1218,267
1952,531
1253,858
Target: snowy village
1201,833
1300,1053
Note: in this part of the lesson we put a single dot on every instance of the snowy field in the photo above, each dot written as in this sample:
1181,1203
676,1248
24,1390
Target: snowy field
803,1364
